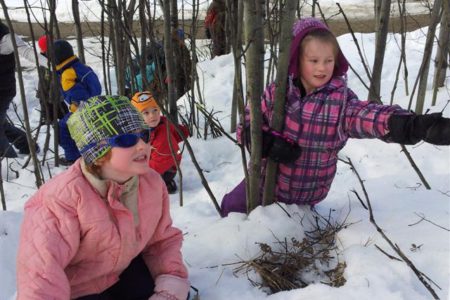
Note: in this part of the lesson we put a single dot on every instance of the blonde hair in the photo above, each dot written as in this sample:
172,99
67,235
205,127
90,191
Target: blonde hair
95,167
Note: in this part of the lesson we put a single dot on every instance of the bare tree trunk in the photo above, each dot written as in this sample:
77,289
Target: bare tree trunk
235,17
377,7
30,141
143,51
114,19
380,49
254,37
287,19
121,27
45,100
401,9
192,118
403,30
170,66
79,33
105,58
273,25
2,189
174,15
55,85
441,62
54,24
425,66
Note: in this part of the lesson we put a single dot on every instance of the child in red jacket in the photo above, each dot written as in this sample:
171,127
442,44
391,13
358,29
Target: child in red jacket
162,159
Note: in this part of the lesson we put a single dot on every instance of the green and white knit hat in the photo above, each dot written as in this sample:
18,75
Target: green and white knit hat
102,117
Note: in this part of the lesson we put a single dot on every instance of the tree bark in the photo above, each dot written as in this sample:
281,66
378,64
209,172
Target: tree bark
287,19
79,33
254,39
425,66
442,54
170,66
30,141
235,16
380,49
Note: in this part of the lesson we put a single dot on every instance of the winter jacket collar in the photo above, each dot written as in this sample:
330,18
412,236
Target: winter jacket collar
67,63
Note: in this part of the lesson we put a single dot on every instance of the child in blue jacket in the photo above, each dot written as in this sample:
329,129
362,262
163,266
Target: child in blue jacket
78,83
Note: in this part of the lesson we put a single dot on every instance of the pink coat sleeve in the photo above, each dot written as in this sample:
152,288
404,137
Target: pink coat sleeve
48,240
266,111
162,254
365,119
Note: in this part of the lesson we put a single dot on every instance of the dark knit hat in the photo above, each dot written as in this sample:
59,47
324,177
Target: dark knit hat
63,50
99,118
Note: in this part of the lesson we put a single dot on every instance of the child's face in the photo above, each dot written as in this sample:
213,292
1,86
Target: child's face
316,64
125,163
151,116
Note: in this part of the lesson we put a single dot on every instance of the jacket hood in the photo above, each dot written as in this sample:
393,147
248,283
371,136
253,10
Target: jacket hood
299,30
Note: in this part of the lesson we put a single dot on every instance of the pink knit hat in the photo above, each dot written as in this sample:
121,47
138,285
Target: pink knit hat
299,30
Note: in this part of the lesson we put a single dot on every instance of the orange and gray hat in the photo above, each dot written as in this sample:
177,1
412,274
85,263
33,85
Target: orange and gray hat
144,100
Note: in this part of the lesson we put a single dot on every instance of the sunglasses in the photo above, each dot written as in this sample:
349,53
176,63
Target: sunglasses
143,97
125,140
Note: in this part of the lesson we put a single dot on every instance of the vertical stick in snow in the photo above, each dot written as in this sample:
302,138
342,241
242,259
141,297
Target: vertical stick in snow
280,95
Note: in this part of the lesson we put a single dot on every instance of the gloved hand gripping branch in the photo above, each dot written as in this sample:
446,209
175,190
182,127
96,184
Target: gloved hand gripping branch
279,148
276,146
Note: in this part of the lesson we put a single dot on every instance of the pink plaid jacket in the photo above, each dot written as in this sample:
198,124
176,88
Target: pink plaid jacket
321,123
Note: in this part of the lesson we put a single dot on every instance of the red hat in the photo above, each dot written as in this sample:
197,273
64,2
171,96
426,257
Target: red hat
42,43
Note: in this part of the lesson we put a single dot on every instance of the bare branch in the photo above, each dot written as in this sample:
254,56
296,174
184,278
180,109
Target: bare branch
422,218
422,278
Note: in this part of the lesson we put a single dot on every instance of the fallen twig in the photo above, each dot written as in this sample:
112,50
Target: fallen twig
387,254
422,218
421,276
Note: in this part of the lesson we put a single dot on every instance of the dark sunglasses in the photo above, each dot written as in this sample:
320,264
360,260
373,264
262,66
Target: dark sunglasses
125,140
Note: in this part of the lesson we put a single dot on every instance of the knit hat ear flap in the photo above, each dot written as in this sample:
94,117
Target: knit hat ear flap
99,118
63,50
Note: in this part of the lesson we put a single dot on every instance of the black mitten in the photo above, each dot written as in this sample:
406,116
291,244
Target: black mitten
279,148
410,129
439,132
267,141
283,150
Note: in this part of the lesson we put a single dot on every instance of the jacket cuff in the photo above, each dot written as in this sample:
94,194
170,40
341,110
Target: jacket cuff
174,285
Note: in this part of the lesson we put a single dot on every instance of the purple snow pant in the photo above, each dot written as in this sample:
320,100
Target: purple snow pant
234,201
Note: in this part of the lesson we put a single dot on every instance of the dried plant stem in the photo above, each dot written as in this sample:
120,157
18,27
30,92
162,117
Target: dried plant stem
421,276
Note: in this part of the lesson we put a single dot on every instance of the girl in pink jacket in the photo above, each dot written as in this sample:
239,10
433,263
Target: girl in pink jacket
102,229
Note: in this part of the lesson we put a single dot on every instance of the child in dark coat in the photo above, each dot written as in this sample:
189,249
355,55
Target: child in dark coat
161,158
9,133
321,114
42,93
78,83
